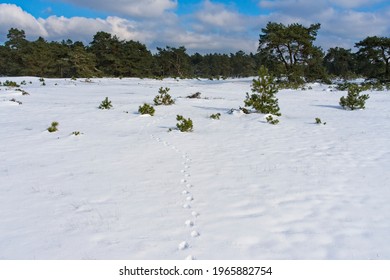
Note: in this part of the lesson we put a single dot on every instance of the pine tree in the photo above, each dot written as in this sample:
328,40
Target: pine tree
164,98
353,100
184,125
146,109
106,104
263,99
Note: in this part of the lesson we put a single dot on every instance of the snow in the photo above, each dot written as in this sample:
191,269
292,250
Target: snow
234,188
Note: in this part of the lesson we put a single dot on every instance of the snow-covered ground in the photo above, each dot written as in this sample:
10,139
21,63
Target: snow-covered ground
235,188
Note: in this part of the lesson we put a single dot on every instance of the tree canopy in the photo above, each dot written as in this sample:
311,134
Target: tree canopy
286,50
292,47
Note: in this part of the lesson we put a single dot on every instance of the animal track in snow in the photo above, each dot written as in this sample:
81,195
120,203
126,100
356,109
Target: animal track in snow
188,197
183,245
194,233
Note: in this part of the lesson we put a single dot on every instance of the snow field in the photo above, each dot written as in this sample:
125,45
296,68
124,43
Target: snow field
235,188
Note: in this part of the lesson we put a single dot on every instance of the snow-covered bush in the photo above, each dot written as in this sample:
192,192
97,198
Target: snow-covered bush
263,99
184,125
163,98
22,91
195,95
106,104
354,100
53,127
318,121
270,119
76,133
215,116
10,84
146,109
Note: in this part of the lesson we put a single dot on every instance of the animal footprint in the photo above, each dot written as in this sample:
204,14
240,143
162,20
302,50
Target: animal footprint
189,223
183,245
195,233
195,214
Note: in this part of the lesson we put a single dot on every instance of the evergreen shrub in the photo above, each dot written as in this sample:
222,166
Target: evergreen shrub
354,100
163,98
146,109
263,99
184,125
106,104
53,127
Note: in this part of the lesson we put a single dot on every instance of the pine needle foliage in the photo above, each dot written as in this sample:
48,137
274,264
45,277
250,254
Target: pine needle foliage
163,98
215,116
184,125
271,120
146,109
106,104
263,99
53,127
354,100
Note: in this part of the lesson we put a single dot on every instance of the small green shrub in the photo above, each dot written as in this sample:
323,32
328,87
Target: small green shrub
76,133
215,116
106,104
184,125
263,99
16,101
22,91
53,127
10,84
270,119
195,95
163,98
354,100
146,109
318,121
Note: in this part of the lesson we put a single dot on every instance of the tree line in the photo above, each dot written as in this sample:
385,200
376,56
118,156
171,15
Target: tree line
288,51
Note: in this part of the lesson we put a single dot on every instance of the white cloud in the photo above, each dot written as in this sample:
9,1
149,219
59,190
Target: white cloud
13,16
354,3
210,27
79,28
219,16
135,8
318,5
339,27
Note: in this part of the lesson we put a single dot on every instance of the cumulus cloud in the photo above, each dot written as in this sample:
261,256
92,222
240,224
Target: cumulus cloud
211,27
341,23
212,15
135,8
355,3
79,28
13,16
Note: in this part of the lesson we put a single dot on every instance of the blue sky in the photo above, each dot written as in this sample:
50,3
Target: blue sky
201,25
